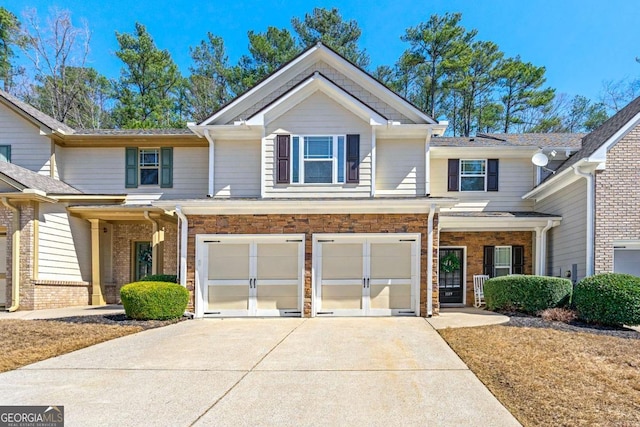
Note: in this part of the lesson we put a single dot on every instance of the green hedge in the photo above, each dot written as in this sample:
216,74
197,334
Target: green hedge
610,299
528,294
154,300
171,278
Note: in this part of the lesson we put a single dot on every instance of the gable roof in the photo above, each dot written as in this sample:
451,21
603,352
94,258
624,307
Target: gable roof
596,139
306,58
22,178
32,113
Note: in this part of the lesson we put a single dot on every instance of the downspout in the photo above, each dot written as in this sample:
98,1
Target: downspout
432,213
211,161
427,165
590,216
154,243
543,248
184,230
15,255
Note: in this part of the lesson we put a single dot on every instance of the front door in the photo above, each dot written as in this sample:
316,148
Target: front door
142,261
251,275
451,276
366,275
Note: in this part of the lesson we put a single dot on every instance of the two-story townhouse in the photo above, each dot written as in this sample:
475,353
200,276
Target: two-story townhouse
318,192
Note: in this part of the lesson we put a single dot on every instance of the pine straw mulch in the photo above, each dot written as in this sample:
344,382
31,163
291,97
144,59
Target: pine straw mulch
29,341
554,374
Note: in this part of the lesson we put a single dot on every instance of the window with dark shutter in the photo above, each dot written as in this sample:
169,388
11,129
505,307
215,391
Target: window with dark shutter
5,153
453,176
517,260
283,159
353,159
166,167
131,169
487,263
492,175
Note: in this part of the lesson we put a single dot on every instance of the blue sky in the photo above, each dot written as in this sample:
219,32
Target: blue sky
581,43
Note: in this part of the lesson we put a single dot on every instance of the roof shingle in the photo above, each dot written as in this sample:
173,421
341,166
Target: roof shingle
34,113
36,181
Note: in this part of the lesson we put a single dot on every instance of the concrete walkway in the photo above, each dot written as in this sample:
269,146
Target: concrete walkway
465,317
234,372
55,313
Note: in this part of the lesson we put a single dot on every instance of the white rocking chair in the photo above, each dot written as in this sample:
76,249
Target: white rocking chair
478,289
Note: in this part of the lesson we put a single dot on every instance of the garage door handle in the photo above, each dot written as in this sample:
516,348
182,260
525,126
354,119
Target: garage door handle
368,282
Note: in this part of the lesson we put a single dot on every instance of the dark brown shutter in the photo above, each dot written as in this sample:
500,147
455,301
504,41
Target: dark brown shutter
517,259
492,175
283,156
353,159
487,262
454,175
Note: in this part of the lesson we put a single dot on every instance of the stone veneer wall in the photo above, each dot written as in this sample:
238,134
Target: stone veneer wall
617,203
310,224
475,242
124,234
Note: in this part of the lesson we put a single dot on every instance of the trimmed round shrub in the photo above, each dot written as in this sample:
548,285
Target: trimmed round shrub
171,278
609,299
528,294
154,300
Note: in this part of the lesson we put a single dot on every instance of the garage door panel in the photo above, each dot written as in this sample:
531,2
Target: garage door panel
342,261
391,296
228,297
228,261
342,297
277,261
392,260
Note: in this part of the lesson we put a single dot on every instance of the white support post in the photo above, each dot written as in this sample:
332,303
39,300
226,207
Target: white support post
427,165
212,159
373,161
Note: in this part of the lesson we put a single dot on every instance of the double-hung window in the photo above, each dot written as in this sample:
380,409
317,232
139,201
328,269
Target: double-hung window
149,164
502,261
318,159
473,175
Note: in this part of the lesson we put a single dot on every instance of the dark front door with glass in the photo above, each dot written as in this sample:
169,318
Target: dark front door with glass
451,283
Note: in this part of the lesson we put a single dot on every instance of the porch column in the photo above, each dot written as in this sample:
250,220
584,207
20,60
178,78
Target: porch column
97,298
157,238
538,259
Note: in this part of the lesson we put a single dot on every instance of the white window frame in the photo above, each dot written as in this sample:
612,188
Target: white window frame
495,259
460,175
141,167
334,160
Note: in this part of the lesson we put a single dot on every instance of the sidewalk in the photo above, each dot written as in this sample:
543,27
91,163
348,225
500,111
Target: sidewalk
55,313
465,317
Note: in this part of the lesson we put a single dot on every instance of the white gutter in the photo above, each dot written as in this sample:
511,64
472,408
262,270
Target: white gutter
211,161
590,217
184,234
15,255
154,243
541,247
373,161
432,212
427,165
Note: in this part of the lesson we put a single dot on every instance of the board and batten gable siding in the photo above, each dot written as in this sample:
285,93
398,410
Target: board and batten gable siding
515,178
102,171
567,243
337,78
400,166
64,245
29,149
318,115
237,168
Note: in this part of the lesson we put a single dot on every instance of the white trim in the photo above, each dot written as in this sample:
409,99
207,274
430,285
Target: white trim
334,159
427,165
464,279
263,164
591,207
207,135
476,175
373,161
432,212
352,205
184,235
498,223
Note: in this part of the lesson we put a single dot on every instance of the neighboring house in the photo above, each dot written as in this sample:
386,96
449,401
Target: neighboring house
318,192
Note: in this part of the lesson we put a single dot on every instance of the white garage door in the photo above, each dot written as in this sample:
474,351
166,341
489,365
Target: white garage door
366,274
250,275
626,261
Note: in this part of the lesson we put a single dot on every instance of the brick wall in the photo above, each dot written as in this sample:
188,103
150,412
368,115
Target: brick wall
310,224
475,242
124,234
54,294
617,202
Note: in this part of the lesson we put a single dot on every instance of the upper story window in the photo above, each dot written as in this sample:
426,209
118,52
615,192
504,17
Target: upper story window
149,167
318,159
5,153
473,175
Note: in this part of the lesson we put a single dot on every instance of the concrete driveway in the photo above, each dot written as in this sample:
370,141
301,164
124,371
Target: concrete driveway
231,372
